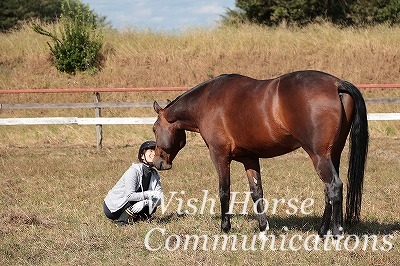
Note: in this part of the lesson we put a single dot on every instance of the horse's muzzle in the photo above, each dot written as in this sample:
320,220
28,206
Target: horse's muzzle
161,164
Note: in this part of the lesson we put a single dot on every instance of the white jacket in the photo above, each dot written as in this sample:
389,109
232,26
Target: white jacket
127,186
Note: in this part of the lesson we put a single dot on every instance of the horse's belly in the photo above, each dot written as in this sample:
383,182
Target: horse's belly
278,150
265,148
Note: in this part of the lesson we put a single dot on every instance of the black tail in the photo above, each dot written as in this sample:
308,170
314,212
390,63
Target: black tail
359,138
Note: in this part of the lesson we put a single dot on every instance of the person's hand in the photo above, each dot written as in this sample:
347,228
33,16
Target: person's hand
137,207
148,194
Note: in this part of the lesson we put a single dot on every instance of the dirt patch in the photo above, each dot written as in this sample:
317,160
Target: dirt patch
16,219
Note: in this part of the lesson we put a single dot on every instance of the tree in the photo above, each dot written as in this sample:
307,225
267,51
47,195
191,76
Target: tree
302,12
375,12
12,12
299,12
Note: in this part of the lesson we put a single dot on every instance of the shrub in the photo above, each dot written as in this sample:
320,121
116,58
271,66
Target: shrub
78,48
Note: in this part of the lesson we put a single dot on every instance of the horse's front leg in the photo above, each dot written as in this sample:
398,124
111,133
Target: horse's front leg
224,196
222,164
252,168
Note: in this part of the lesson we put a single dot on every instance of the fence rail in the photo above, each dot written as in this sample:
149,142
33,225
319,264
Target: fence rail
126,120
80,90
77,105
78,121
125,104
97,105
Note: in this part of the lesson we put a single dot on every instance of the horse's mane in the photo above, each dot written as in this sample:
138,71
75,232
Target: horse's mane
173,101
197,87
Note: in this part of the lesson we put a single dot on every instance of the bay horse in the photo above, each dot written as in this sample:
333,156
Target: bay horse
244,119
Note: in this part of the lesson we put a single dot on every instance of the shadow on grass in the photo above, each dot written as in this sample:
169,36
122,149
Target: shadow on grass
170,218
312,223
302,223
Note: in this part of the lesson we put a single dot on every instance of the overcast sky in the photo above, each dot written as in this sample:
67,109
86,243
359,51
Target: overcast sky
170,15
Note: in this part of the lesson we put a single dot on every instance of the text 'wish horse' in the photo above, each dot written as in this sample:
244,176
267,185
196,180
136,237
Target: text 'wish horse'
244,119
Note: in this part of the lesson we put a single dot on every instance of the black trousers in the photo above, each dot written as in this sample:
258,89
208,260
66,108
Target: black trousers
145,213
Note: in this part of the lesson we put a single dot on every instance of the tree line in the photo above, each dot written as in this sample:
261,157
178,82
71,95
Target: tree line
303,12
266,12
14,12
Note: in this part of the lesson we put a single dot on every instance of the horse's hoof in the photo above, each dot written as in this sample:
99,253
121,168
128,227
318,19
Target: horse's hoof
262,236
264,227
226,228
337,232
322,232
226,224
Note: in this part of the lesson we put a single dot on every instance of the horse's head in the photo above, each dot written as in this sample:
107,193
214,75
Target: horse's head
169,139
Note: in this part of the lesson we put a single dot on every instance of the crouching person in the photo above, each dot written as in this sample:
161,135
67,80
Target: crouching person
138,192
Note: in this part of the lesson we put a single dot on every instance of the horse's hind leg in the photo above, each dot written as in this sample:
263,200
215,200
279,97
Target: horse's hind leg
252,167
337,148
333,195
336,184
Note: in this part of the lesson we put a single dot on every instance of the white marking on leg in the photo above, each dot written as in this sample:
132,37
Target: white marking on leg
262,235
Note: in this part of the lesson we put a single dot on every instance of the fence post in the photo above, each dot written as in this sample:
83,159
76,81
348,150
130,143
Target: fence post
99,127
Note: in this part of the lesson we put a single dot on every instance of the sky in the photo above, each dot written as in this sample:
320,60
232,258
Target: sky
167,15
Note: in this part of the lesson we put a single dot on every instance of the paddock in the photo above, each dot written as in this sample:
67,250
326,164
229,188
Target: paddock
54,178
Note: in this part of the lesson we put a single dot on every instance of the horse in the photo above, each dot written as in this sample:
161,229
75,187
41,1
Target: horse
245,119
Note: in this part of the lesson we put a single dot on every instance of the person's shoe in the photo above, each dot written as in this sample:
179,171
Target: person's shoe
132,219
144,216
119,224
127,218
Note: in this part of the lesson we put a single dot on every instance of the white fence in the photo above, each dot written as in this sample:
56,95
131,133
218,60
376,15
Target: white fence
126,120
97,105
78,121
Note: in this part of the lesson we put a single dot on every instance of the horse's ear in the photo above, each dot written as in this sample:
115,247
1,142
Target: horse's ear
156,107
168,101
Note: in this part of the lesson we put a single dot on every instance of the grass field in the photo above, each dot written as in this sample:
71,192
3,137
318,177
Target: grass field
51,209
53,179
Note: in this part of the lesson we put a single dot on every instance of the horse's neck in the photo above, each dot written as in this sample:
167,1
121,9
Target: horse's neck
185,109
184,116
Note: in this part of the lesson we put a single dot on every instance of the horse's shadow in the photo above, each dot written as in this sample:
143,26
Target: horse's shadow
312,222
309,223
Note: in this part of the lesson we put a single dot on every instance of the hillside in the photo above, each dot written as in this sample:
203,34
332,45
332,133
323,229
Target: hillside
137,58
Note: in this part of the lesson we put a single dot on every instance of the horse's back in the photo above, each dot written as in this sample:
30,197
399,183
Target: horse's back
242,112
306,81
272,117
293,92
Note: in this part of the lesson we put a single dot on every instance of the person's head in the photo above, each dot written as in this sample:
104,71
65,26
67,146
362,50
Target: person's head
146,152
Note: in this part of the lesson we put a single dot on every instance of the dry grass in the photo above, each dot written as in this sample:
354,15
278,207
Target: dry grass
137,58
51,208
53,179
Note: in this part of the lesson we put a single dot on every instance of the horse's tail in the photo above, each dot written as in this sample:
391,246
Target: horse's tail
359,138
